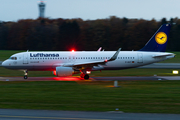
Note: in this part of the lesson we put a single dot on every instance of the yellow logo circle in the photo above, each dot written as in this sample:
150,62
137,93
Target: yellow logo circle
161,37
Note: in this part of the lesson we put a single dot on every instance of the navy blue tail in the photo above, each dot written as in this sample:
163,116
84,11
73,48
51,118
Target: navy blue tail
158,41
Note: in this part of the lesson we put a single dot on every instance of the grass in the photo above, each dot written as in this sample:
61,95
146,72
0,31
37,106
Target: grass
132,96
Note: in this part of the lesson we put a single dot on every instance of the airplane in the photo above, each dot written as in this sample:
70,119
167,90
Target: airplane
68,63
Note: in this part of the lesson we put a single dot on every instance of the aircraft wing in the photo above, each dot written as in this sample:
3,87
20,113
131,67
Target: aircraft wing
94,63
163,55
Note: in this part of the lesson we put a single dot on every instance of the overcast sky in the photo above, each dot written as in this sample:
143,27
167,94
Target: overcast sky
13,10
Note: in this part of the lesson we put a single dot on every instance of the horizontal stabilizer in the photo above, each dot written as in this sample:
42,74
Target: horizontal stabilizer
163,55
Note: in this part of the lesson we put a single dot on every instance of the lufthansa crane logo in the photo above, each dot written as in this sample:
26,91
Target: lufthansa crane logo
161,37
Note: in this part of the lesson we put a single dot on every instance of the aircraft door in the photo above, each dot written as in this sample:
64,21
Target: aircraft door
140,58
25,59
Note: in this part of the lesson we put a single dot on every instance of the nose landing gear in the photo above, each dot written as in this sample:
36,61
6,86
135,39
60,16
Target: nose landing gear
25,74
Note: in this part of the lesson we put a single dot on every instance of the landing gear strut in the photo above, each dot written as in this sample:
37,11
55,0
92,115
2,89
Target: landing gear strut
25,74
84,75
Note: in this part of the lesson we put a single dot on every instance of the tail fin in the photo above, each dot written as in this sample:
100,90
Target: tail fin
158,41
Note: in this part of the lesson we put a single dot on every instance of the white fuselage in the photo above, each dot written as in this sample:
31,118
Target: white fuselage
48,61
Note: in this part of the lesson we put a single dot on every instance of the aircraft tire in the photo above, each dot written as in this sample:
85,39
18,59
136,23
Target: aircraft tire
25,77
86,76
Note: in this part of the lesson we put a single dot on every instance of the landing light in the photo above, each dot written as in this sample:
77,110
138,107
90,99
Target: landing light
175,72
88,72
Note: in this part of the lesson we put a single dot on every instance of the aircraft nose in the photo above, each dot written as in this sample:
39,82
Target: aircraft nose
4,63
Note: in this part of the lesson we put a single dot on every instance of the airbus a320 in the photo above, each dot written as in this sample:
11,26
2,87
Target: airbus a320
68,63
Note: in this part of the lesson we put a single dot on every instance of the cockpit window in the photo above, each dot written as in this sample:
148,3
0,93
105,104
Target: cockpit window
13,58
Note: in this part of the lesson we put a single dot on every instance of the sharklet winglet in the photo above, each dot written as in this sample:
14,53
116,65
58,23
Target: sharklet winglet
115,55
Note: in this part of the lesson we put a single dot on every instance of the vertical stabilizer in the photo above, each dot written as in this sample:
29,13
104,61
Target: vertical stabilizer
158,41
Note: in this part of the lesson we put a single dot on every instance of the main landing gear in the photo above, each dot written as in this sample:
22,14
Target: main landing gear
84,75
25,74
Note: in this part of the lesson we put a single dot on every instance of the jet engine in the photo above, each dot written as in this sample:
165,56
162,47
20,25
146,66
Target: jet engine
65,71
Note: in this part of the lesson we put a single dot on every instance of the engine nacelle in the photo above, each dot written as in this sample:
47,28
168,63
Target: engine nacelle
64,71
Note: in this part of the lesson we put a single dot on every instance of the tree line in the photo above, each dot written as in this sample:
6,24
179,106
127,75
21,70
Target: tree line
66,34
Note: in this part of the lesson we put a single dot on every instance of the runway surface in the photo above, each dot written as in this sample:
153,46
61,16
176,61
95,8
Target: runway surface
92,78
16,114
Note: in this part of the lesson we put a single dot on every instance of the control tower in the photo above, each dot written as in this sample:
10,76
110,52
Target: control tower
41,9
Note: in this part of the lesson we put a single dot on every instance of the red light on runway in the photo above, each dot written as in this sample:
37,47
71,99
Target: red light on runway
67,78
72,50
